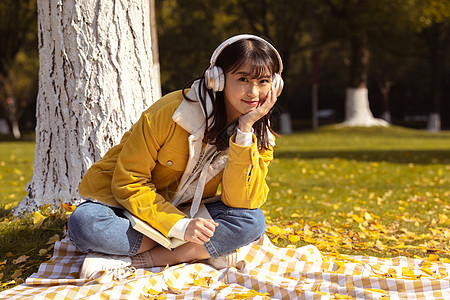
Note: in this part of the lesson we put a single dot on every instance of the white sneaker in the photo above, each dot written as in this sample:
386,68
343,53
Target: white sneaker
118,266
224,261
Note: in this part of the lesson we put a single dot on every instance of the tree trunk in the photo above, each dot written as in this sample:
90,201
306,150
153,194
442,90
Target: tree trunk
385,89
437,36
95,79
357,111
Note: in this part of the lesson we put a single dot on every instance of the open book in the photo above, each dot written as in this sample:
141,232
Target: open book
150,232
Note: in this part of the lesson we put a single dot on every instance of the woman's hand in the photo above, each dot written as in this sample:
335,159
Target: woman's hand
246,121
200,230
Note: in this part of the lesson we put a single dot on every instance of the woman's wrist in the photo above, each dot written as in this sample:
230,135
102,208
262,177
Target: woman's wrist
244,127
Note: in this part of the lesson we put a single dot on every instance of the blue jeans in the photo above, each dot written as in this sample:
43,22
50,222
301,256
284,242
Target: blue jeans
99,228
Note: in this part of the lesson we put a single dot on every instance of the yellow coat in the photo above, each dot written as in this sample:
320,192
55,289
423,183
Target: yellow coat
142,173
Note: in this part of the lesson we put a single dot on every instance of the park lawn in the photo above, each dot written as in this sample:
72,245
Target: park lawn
367,191
16,168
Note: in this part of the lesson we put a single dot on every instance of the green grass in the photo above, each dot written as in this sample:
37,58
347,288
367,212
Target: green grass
16,168
368,191
399,177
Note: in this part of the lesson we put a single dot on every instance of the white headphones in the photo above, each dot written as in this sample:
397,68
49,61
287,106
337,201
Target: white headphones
214,76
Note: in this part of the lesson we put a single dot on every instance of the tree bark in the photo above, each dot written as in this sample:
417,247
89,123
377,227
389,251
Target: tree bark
95,79
357,110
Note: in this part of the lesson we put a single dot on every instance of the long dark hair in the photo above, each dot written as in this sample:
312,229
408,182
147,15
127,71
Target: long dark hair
262,58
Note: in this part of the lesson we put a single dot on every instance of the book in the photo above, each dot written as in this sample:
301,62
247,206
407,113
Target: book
150,232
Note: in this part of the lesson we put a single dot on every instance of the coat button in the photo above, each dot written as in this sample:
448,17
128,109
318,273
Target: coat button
169,163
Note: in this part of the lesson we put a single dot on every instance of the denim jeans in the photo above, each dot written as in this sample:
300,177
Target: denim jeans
99,228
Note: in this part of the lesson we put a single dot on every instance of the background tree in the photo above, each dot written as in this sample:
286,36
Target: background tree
94,81
17,35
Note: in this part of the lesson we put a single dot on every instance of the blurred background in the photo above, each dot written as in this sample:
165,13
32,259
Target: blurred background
406,43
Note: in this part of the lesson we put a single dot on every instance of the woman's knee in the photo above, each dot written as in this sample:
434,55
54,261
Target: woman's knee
82,224
250,224
257,223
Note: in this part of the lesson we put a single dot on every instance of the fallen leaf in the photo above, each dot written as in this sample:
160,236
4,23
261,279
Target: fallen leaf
38,218
53,239
16,274
20,259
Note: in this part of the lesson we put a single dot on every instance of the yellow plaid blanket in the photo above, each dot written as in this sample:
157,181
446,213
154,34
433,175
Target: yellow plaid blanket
264,272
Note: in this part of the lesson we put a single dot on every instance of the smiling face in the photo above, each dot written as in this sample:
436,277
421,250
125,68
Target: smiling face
243,92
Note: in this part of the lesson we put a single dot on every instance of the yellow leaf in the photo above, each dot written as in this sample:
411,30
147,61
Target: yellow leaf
249,294
53,239
43,252
69,208
408,273
201,281
433,257
20,259
339,296
294,238
378,291
321,293
9,254
275,230
367,216
380,245
427,271
2,285
392,272
38,218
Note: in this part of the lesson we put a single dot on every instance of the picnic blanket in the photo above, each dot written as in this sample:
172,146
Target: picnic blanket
263,272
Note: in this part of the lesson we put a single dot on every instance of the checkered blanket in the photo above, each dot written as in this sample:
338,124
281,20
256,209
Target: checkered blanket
263,272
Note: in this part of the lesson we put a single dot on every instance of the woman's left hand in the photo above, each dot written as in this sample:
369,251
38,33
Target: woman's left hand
246,121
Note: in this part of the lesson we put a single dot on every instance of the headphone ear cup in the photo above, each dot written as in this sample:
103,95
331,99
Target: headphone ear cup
208,78
221,79
278,83
215,79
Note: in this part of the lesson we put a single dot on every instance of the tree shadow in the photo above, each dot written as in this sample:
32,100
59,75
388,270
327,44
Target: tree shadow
423,157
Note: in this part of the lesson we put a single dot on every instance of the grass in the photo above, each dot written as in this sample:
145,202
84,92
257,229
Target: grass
377,191
366,191
16,168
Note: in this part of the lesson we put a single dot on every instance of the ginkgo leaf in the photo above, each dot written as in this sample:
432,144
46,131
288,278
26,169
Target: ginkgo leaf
201,281
433,257
294,238
408,273
38,218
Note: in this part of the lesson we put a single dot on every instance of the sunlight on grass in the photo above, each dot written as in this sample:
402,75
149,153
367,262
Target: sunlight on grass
362,191
16,168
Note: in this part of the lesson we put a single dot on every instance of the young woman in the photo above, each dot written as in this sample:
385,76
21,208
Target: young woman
216,132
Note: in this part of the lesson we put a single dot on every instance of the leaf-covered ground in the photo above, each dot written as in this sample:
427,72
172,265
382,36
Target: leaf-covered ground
381,192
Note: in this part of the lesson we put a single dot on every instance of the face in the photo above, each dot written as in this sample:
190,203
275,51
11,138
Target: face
243,93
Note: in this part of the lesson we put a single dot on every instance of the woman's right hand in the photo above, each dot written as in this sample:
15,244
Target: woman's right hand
200,230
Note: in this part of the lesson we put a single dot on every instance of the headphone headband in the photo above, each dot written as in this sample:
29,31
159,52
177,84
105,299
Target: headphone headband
236,38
